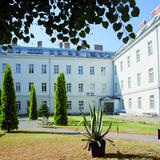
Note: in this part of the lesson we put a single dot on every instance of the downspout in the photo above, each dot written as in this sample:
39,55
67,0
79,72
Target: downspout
49,70
158,66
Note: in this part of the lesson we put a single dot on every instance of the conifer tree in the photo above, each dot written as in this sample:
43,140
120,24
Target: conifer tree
43,111
60,101
33,114
8,116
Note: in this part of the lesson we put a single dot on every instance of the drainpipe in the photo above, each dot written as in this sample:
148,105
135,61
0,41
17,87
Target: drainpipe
158,64
49,70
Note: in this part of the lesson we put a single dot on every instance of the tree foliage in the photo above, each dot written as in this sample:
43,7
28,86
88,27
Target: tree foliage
60,101
43,111
0,100
66,20
33,114
8,102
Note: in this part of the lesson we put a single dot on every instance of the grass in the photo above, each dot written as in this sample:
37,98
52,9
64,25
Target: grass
125,126
18,146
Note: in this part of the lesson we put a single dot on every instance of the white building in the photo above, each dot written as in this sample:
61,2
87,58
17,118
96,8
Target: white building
137,70
88,75
128,81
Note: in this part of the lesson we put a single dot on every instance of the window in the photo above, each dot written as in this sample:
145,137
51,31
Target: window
68,69
138,56
139,103
129,82
138,79
115,70
56,69
115,88
91,70
31,68
44,87
18,68
44,68
92,87
81,104
54,87
30,85
122,85
103,71
103,87
18,103
4,66
150,48
18,86
129,103
80,86
151,75
68,87
121,66
69,104
80,70
128,61
151,101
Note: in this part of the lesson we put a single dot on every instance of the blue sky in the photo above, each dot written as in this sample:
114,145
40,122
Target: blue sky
98,35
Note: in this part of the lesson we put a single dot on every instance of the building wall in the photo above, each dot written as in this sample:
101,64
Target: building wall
145,88
50,78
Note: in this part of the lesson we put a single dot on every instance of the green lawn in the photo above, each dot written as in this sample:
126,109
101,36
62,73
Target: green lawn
18,146
125,126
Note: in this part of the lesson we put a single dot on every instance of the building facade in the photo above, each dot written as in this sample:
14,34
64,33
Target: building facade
88,75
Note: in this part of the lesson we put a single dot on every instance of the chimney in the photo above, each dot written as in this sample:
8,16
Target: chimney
98,47
39,44
156,11
61,45
142,24
66,45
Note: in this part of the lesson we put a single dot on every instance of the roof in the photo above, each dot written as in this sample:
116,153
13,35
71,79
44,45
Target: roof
59,52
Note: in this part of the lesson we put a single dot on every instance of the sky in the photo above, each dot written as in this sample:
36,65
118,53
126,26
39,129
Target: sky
98,35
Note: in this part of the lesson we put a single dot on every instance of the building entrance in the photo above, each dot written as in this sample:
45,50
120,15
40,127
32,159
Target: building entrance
109,108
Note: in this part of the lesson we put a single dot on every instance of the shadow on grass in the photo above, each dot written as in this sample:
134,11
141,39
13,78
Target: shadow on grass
121,156
1,135
43,132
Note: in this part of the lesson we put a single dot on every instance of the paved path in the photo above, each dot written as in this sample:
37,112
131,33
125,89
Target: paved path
25,124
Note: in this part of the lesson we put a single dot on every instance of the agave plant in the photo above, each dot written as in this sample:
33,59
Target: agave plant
94,126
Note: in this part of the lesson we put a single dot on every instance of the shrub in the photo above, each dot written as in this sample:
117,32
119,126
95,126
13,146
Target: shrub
43,111
60,101
8,116
33,104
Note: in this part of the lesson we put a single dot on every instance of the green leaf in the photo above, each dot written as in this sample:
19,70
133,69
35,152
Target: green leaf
105,24
82,34
117,26
135,12
132,35
53,39
32,35
87,30
26,39
79,48
129,28
14,40
119,35
125,40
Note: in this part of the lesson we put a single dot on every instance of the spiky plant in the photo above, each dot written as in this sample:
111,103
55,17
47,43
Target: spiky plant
94,126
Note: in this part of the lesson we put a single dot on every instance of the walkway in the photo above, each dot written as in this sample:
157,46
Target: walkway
25,124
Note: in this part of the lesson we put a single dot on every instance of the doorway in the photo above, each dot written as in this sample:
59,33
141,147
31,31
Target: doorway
109,108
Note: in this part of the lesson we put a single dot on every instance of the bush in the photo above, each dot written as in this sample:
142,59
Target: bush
60,101
8,116
33,104
43,111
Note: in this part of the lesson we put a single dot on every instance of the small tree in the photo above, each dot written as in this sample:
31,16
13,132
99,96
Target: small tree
33,104
8,116
60,101
43,111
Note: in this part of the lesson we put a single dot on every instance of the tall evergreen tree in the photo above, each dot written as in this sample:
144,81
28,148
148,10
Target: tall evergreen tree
33,114
60,101
8,116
